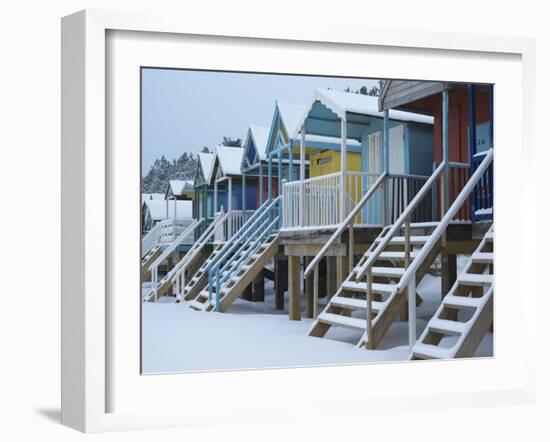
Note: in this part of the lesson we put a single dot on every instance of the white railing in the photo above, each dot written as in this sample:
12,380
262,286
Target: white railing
232,223
315,202
181,239
150,239
178,273
408,280
170,229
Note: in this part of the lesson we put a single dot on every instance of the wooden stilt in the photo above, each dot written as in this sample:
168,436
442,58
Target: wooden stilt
331,276
448,272
281,272
309,291
258,288
294,275
316,292
323,278
342,267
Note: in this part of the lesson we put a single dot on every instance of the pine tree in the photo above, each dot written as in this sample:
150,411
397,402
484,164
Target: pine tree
233,142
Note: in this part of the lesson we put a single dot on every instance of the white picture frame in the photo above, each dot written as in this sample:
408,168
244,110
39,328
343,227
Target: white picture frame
86,353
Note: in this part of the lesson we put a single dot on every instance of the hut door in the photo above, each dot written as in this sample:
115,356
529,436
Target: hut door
374,153
396,150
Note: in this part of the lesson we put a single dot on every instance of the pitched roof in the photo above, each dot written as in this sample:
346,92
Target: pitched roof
230,159
260,135
157,209
291,114
152,196
179,186
342,103
207,163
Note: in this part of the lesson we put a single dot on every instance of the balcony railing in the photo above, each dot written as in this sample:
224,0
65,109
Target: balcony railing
231,225
315,202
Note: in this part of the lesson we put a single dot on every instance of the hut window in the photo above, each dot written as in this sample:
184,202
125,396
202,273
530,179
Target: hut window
324,160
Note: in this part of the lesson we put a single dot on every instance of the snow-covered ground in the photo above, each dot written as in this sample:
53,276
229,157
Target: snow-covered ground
254,335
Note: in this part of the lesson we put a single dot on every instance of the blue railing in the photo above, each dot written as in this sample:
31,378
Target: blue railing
481,198
263,223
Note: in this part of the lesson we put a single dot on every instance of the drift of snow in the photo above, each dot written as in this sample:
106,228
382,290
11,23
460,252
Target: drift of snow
176,338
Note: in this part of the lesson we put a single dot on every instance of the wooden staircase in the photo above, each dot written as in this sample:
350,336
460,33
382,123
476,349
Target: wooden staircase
147,260
466,312
246,265
200,279
348,307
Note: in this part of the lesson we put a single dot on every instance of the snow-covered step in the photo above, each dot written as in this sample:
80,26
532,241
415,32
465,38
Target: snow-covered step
397,255
426,351
445,326
475,279
353,303
461,301
353,286
483,257
197,305
391,272
414,240
342,321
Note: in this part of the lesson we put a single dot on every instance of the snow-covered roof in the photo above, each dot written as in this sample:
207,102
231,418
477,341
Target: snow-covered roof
207,163
152,196
260,135
230,159
291,114
157,209
179,186
342,103
332,140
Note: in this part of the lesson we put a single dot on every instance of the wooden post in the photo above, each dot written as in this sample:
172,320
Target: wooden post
302,174
269,176
351,252
370,338
230,207
343,167
316,292
331,276
342,264
258,288
323,280
215,197
281,272
261,186
411,292
448,272
280,175
290,162
445,146
386,161
404,310
294,304
243,196
309,289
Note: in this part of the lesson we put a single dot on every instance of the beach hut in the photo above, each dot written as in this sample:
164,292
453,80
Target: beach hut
204,206
157,210
463,131
353,165
254,163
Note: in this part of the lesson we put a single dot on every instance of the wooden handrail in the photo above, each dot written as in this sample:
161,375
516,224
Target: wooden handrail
344,224
190,228
198,246
445,221
402,218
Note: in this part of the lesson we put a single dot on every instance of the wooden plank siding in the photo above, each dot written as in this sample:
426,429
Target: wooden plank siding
400,92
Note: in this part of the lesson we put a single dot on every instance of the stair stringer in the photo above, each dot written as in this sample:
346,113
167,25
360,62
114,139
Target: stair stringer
247,275
394,304
473,330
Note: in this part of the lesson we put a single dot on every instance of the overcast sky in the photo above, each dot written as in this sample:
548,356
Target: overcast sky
185,110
